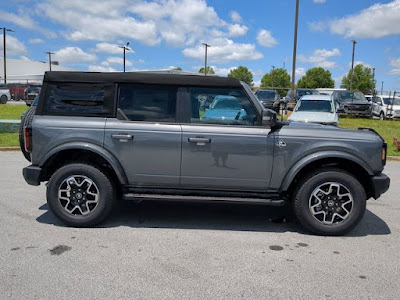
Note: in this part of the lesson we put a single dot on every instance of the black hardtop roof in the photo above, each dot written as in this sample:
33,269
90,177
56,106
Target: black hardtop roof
140,77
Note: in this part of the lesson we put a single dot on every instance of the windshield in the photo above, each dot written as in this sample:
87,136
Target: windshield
266,95
315,106
388,101
350,97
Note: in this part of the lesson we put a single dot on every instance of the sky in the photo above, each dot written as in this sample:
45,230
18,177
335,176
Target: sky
86,35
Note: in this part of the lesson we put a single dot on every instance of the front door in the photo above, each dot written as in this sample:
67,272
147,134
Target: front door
223,147
144,136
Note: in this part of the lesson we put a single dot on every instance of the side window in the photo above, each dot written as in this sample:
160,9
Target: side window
78,99
148,103
222,106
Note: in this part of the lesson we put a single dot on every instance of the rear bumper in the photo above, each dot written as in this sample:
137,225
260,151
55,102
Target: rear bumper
380,184
32,174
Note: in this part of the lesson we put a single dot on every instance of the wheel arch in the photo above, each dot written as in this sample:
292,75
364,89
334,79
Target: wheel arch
81,152
345,161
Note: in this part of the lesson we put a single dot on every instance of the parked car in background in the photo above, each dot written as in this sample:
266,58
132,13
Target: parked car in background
269,99
352,102
225,107
386,107
17,90
298,93
328,91
315,109
368,98
4,94
30,93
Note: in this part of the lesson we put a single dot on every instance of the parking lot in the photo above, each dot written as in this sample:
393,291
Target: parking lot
191,251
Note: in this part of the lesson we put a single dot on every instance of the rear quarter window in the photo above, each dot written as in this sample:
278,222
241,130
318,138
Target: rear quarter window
79,99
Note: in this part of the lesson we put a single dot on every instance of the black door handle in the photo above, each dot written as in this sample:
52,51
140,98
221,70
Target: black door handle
199,141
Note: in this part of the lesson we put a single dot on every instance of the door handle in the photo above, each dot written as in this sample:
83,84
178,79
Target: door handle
199,141
122,137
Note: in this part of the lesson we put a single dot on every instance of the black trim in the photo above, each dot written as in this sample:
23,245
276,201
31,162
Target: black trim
32,174
380,184
141,78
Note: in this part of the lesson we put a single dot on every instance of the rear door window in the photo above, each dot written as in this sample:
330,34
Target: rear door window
79,99
147,103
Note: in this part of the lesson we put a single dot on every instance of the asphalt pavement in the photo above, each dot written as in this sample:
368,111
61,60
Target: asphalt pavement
157,250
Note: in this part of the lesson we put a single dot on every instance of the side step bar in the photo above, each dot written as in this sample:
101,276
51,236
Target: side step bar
163,197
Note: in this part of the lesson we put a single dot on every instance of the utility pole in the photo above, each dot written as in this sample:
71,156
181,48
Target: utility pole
382,88
294,52
352,65
126,47
373,80
4,51
205,58
50,53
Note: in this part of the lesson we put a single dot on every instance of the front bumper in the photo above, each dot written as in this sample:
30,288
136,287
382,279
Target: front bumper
32,174
380,185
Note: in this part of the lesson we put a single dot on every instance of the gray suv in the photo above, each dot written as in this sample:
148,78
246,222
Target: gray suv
100,137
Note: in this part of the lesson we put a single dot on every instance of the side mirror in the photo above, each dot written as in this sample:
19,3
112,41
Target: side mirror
268,118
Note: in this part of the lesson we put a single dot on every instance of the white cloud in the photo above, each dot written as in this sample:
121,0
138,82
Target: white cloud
113,60
224,50
73,55
319,1
237,30
320,58
95,68
300,72
25,21
109,48
176,22
376,21
317,26
265,38
14,46
395,63
235,17
360,62
35,41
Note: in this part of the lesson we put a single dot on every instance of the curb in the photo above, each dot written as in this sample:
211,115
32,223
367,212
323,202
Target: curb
10,149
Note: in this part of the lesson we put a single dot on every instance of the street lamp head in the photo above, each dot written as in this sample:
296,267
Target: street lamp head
127,44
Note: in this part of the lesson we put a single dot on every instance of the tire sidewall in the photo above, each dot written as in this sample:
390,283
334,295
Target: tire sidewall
302,203
104,185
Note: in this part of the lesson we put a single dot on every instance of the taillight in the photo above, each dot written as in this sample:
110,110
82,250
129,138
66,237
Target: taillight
27,138
384,153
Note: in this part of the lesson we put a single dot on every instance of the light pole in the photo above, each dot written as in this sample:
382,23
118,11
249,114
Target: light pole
294,51
352,65
125,48
382,88
4,51
205,58
50,53
373,80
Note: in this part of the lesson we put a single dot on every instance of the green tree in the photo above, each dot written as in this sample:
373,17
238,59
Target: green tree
362,79
277,78
177,69
242,73
209,70
316,78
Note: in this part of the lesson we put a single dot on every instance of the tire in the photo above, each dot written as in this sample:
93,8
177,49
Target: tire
382,116
3,99
26,120
86,182
317,218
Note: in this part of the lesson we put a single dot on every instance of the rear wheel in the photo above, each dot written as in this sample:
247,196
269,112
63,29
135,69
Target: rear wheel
330,202
80,195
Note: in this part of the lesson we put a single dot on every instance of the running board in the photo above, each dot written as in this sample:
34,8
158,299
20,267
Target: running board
161,197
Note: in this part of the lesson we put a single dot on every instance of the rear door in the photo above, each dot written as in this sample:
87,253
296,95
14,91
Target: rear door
145,136
223,147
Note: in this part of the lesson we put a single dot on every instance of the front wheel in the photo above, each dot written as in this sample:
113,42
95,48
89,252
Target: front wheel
382,116
330,202
80,195
3,99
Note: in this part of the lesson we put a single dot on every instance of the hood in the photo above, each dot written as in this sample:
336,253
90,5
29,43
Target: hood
357,102
314,117
225,114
